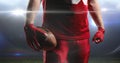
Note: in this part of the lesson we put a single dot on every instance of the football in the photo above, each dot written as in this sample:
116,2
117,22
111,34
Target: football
47,41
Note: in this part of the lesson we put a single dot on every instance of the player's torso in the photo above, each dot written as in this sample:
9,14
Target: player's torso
66,17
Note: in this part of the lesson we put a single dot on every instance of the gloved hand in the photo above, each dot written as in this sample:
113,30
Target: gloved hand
30,32
99,36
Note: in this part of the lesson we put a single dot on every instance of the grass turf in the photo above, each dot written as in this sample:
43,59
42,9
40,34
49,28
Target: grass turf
38,60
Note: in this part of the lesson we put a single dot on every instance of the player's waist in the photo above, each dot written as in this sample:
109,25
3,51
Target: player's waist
84,35
72,33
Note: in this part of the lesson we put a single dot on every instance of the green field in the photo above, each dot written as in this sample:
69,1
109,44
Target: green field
104,60
37,60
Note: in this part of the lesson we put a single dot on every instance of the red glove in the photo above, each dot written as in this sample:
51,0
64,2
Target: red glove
99,36
30,31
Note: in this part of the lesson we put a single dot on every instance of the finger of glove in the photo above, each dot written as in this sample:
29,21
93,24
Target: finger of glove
32,44
97,40
30,40
36,44
94,38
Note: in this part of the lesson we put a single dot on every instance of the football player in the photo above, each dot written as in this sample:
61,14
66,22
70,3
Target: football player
68,21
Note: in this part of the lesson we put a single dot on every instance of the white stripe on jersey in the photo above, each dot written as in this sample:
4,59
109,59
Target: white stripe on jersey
77,1
85,2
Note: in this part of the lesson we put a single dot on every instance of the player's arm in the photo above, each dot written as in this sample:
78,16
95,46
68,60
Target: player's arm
94,10
29,28
32,9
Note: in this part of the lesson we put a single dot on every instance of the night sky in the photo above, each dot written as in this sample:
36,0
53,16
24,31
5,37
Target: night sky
12,38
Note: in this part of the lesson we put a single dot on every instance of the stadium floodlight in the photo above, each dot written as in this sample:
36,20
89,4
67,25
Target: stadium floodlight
104,9
18,12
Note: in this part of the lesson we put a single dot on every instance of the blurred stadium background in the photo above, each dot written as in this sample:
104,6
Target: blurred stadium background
14,49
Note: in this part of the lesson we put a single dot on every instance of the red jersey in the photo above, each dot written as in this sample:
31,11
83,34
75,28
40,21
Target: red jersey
66,20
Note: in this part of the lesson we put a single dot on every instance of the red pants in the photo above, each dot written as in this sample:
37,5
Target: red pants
68,51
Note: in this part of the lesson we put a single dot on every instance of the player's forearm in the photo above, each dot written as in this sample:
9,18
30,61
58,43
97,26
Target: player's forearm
95,13
32,9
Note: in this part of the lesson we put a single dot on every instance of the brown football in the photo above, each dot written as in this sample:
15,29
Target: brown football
47,41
